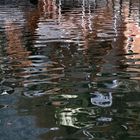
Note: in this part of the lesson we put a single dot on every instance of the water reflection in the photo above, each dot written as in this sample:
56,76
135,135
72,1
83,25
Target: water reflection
101,100
70,69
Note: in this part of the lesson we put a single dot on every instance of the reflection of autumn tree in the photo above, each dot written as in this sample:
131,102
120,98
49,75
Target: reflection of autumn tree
132,33
45,9
16,47
15,50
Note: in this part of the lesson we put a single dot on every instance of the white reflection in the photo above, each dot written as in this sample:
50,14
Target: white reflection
101,100
88,134
69,96
83,15
104,119
90,18
59,12
115,83
67,117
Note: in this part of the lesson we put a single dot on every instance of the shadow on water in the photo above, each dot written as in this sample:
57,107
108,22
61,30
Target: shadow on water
69,70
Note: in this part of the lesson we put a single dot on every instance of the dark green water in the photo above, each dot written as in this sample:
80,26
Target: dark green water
70,70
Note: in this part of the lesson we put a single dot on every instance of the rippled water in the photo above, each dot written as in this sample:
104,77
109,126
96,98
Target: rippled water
69,70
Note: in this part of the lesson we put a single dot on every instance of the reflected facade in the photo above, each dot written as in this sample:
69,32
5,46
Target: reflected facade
70,69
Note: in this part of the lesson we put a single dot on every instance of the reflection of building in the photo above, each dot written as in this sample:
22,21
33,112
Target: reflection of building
55,65
12,26
15,48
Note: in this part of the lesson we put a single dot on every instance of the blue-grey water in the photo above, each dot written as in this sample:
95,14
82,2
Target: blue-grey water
70,70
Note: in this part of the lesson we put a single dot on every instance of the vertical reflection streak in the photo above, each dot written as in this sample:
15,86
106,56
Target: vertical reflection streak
90,18
115,22
59,12
83,15
44,6
139,15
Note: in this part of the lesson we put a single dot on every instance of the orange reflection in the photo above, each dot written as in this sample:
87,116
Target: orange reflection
133,38
15,45
48,7
15,49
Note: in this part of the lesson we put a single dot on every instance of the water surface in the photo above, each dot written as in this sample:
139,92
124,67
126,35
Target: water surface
69,70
